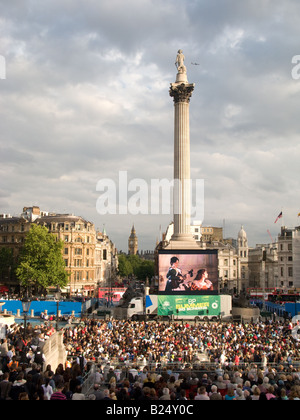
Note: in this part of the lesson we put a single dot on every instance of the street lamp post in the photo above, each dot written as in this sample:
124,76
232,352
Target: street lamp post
57,297
26,307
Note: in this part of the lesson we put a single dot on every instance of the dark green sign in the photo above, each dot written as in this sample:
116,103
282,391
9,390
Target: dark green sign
189,305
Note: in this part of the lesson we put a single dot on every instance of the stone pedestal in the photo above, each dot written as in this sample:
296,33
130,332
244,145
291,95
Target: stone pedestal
245,314
55,351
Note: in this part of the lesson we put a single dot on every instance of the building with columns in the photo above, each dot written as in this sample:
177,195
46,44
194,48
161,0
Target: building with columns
263,266
90,257
79,239
289,257
106,260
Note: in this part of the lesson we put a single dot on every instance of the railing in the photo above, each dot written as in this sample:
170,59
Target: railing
88,380
199,369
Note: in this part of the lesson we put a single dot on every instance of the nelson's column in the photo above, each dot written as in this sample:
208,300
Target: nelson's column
181,91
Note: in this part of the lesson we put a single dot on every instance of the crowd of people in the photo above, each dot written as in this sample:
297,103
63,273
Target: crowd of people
157,342
131,360
22,361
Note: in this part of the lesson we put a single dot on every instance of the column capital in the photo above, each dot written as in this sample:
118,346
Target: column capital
181,92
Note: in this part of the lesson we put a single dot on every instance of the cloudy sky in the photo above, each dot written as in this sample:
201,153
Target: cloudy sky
86,96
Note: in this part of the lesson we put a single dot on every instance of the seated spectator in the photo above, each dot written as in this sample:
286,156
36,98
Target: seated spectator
202,394
215,395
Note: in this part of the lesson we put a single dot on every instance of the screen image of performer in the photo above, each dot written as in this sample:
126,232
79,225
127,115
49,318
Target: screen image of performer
173,275
175,278
188,272
201,281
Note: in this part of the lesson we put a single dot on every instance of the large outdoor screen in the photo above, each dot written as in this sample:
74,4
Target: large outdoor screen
188,272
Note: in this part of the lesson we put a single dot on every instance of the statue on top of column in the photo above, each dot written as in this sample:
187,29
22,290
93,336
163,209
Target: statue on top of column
180,62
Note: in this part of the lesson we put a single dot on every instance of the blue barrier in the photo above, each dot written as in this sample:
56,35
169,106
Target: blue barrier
292,308
288,308
66,308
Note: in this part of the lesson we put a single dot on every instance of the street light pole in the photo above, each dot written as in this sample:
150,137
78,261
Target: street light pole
57,296
26,307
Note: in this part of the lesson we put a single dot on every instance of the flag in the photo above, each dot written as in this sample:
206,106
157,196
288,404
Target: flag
279,217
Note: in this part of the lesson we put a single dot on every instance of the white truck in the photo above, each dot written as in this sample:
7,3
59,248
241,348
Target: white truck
192,307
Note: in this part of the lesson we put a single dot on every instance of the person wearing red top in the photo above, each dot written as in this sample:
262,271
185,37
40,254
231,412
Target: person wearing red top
58,395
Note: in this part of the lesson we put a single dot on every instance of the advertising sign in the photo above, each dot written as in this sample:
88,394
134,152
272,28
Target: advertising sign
189,305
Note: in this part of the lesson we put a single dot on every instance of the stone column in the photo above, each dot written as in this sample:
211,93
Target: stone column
181,91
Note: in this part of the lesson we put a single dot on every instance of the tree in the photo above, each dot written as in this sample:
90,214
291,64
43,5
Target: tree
125,267
133,264
144,270
41,262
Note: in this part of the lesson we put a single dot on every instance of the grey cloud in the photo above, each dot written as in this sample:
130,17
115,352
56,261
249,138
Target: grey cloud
86,96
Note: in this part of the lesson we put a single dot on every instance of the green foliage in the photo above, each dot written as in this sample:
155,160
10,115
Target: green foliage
145,269
41,262
125,267
134,265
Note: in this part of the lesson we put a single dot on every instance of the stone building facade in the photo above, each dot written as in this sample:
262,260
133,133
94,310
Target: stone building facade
90,257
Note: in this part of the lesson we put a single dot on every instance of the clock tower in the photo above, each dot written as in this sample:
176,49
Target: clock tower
132,242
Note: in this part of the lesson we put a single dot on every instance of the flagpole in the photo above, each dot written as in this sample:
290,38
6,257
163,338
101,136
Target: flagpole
280,216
